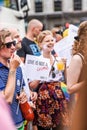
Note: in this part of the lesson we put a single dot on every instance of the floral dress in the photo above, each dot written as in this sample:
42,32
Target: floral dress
50,104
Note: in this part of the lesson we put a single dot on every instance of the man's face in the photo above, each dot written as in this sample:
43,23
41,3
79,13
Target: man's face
8,48
37,30
16,36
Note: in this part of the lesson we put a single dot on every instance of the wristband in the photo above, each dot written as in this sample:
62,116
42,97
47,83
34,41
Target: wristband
11,72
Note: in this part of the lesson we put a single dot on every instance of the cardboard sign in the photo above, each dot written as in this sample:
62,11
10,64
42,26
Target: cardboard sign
37,68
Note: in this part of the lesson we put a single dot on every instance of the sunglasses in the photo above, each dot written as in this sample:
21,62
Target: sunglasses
52,71
76,38
9,44
59,32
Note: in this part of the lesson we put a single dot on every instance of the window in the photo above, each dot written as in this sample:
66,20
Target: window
14,5
57,5
38,6
77,4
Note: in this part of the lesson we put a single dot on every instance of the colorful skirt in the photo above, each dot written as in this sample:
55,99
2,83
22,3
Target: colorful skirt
50,105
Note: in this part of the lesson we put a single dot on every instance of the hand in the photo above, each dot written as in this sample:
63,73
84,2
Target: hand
33,96
22,97
64,60
14,62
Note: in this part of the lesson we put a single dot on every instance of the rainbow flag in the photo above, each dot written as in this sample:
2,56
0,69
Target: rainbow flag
64,89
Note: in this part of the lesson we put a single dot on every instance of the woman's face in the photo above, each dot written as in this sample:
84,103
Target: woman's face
48,43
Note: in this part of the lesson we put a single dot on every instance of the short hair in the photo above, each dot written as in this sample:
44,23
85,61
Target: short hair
3,34
34,23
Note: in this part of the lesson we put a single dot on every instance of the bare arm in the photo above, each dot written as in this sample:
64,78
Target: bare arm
75,88
73,73
34,84
10,86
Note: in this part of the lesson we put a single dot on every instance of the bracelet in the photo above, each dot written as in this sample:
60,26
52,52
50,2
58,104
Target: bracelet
11,72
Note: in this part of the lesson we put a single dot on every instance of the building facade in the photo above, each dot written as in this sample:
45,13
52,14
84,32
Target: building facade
53,12
58,12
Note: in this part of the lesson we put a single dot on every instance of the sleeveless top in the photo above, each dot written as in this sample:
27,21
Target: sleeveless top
80,114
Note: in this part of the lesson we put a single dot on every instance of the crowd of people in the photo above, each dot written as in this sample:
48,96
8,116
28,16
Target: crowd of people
45,98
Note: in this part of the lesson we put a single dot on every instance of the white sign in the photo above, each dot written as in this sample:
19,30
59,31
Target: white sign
37,68
64,47
72,30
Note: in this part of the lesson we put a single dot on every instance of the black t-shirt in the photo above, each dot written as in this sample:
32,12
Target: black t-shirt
28,47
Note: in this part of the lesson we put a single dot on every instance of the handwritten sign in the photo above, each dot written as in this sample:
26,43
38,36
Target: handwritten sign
37,67
64,46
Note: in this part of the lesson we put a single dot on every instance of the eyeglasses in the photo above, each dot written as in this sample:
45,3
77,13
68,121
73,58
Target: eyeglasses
9,44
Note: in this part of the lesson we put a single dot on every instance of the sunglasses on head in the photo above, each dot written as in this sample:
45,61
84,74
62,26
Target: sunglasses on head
9,44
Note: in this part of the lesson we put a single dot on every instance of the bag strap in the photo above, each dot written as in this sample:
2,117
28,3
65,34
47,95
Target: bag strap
21,89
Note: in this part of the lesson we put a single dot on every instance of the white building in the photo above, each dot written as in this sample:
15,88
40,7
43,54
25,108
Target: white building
54,12
58,12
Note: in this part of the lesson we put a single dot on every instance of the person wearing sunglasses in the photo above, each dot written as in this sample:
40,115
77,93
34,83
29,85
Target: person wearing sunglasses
57,33
16,37
9,44
77,79
15,34
32,96
11,77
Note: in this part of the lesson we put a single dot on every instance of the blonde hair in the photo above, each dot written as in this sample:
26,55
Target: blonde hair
3,34
42,35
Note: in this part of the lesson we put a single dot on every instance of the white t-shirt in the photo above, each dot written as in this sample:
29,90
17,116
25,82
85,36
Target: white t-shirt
55,74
